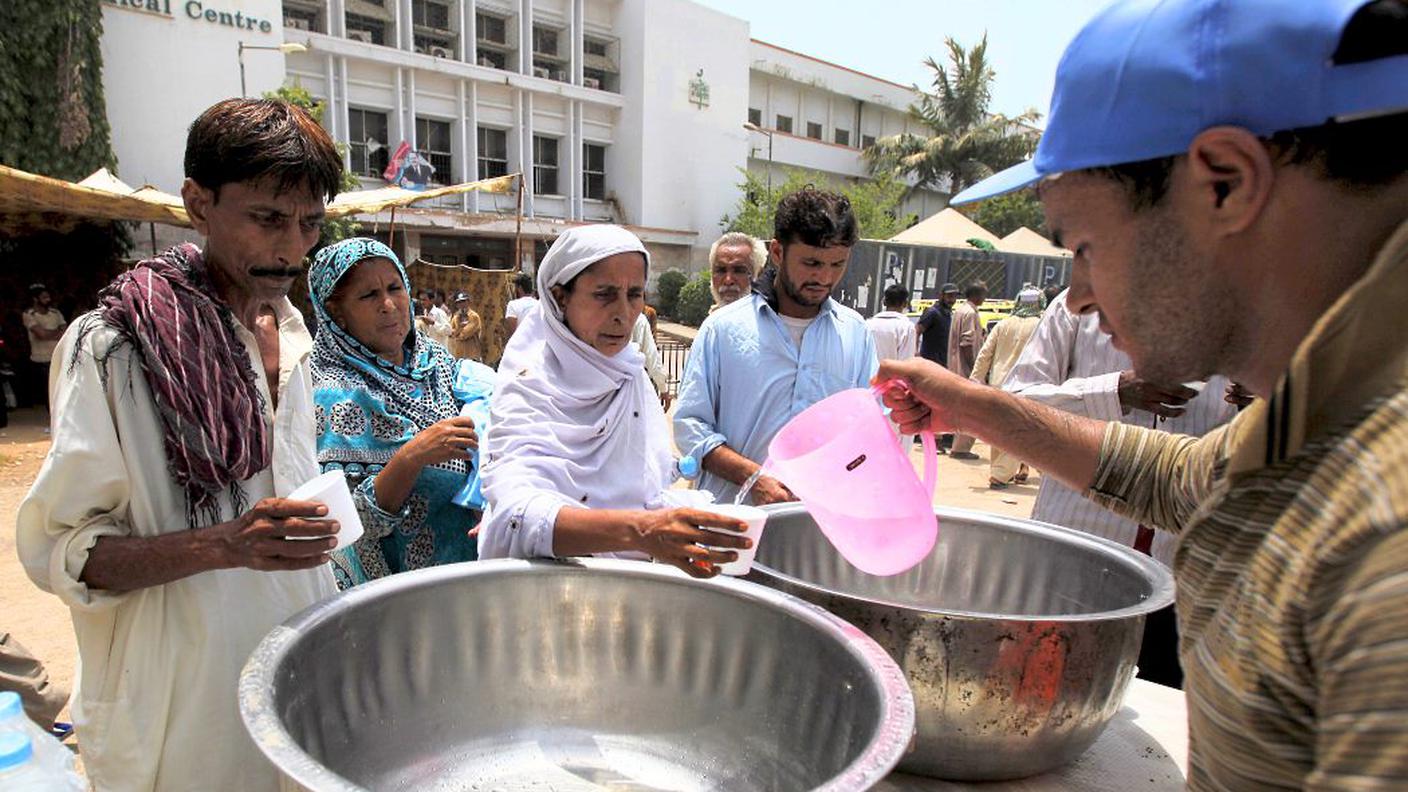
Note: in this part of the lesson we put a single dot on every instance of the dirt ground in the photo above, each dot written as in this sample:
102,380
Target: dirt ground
41,623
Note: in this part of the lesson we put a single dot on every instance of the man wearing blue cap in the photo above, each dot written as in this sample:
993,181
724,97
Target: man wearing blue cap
1233,178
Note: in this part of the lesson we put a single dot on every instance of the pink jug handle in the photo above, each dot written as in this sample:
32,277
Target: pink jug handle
931,463
926,438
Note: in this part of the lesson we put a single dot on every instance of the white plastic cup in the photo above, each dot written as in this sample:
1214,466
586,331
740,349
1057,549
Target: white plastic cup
330,489
755,518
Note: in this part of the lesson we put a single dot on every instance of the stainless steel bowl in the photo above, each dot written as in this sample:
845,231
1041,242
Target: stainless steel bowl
584,675
1018,638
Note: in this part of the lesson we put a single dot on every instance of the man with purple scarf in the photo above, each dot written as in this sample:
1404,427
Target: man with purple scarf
182,417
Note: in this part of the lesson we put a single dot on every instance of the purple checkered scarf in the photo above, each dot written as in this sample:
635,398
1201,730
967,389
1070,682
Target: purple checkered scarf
199,372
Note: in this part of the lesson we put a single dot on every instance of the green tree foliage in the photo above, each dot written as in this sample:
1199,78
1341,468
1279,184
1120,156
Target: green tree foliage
965,143
875,203
1007,213
53,116
668,286
695,300
334,230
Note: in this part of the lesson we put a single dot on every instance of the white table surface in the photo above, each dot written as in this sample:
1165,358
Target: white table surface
1144,748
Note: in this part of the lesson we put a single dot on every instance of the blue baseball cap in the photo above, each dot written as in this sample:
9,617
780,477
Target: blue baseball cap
1144,77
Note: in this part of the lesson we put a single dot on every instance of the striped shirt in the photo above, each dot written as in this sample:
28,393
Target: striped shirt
1071,365
1293,564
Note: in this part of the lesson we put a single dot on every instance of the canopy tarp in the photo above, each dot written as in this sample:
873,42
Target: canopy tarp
30,202
373,201
949,228
1025,240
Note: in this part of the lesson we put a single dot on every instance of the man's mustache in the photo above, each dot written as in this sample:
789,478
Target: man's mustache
276,272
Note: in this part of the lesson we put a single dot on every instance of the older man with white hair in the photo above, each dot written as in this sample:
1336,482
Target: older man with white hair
735,259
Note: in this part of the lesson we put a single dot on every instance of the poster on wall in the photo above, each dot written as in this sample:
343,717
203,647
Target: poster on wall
933,279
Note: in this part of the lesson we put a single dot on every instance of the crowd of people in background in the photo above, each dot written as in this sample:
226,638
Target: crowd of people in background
162,518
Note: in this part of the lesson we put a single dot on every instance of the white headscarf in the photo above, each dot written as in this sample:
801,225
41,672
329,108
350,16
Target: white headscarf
569,423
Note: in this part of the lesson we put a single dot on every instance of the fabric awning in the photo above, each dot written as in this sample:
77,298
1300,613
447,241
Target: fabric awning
373,201
949,228
1025,240
32,203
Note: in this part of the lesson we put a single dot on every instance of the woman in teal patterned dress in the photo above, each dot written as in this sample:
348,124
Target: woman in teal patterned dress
387,416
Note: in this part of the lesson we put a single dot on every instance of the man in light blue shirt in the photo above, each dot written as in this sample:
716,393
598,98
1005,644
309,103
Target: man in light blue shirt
765,358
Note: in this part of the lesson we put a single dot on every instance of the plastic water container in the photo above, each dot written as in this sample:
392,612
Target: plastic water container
47,750
843,460
21,770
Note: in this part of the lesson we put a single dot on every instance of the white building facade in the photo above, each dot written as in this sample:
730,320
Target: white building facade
817,116
630,111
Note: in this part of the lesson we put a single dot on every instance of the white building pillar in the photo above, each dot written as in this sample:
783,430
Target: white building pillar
525,37
337,17
336,126
526,134
405,27
411,107
396,131
578,46
345,108
469,33
470,112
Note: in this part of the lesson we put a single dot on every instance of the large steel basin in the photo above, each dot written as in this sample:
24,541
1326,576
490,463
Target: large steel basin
588,675
1018,638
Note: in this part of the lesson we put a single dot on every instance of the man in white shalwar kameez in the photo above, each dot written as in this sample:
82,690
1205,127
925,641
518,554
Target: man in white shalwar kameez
182,415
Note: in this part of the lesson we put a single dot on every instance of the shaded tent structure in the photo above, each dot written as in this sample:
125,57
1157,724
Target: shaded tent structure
950,228
949,247
31,203
1025,240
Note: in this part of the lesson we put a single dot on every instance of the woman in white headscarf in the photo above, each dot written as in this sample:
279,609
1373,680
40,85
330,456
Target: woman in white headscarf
579,460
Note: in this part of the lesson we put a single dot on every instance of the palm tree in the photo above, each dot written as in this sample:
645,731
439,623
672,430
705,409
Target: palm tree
966,142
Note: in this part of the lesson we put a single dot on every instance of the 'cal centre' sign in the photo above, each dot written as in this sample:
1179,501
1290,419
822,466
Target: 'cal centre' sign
197,10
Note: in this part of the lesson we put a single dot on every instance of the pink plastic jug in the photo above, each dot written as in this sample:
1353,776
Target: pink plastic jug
843,460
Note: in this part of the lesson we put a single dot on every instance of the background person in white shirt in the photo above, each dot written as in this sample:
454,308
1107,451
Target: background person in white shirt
45,326
523,300
1070,364
891,329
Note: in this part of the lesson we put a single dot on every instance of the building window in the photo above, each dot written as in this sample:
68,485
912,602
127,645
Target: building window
438,46
301,20
493,153
545,40
866,141
784,124
367,142
843,137
492,59
549,70
430,14
591,46
600,80
433,143
360,28
544,165
755,116
813,130
593,171
491,28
